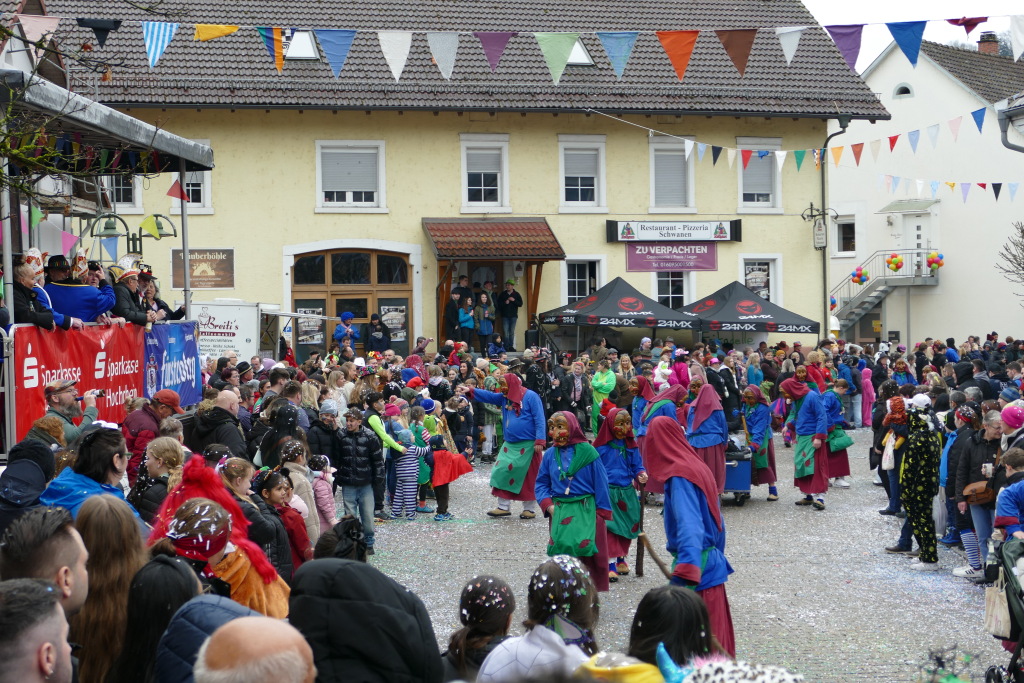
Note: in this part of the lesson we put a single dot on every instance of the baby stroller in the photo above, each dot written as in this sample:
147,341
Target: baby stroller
1010,553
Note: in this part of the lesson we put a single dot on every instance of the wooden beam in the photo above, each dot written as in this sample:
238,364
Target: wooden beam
533,274
444,292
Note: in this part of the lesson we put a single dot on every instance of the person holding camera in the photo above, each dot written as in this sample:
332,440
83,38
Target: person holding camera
62,402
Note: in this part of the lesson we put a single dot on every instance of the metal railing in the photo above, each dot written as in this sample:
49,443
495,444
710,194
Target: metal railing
915,266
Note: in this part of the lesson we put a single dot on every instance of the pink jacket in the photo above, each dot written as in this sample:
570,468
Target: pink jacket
679,374
325,507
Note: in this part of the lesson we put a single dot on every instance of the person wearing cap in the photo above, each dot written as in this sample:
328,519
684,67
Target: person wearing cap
127,303
508,303
919,482
142,426
61,402
323,432
89,301
378,335
643,351
346,331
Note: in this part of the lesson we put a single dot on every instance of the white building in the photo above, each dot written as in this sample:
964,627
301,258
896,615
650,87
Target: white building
901,200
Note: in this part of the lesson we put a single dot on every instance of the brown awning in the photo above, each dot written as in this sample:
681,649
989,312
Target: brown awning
504,239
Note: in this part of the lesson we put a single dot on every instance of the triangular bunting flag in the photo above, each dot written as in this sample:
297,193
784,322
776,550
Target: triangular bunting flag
888,183
36,28
875,145
896,183
157,35
395,46
907,35
969,23
272,40
780,159
335,42
951,186
737,44
716,152
857,149
745,155
1013,190
920,187
789,39
109,245
979,117
934,186
556,48
444,45
687,149
933,134
892,141
847,39
964,189
730,156
101,28
149,225
177,192
798,157
912,137
954,126
35,216
206,32
1017,39
494,43
701,148
837,153
817,158
678,45
67,241
618,45
996,189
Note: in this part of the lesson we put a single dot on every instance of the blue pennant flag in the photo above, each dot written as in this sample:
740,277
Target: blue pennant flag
979,117
913,136
907,35
618,45
157,36
335,43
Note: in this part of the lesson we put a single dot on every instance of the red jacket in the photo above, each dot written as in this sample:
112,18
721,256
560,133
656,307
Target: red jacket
298,539
140,427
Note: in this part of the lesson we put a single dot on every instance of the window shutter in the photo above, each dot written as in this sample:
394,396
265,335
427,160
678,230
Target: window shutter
349,171
670,178
759,175
483,161
580,163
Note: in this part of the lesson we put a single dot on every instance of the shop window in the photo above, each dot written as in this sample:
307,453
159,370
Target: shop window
309,270
392,270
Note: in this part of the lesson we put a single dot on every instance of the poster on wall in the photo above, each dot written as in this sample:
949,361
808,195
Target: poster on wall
657,257
209,269
757,277
310,330
395,318
172,361
227,326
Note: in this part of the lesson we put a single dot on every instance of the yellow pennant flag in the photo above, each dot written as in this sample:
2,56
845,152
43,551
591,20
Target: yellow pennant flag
952,186
837,152
149,225
211,31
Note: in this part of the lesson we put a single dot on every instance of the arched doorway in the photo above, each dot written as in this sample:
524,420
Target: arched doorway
360,281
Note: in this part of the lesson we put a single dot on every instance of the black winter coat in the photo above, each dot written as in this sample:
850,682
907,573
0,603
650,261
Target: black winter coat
261,529
255,437
127,305
323,441
148,498
963,438
978,451
362,625
28,310
278,549
217,425
360,458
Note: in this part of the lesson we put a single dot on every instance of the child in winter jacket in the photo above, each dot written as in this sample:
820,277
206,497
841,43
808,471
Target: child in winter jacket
323,490
276,489
407,471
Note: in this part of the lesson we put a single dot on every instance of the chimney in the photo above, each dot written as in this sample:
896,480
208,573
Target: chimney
988,43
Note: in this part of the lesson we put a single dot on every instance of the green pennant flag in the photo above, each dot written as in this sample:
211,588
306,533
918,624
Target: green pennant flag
556,48
798,154
104,156
35,216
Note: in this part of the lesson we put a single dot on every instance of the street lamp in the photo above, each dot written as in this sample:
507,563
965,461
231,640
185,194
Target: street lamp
135,240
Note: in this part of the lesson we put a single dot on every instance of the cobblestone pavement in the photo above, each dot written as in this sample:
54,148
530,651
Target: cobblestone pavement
812,591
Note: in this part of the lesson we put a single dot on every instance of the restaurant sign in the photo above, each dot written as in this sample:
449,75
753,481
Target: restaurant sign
674,231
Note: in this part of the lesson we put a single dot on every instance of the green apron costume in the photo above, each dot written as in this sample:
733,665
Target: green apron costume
760,456
625,519
838,439
574,519
513,464
803,447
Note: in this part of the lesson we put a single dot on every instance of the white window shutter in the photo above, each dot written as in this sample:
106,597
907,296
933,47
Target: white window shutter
349,171
581,163
670,178
483,161
759,175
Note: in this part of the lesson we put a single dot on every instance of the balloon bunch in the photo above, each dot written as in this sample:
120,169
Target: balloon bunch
832,303
894,262
859,276
935,261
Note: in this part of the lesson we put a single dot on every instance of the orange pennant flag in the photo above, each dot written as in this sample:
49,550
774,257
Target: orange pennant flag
837,152
177,192
745,155
857,149
892,141
737,44
678,45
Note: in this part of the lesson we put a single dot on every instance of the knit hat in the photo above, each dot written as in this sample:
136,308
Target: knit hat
346,316
1009,394
921,401
391,410
428,405
330,407
1013,416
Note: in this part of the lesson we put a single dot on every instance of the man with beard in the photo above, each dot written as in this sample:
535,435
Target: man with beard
61,402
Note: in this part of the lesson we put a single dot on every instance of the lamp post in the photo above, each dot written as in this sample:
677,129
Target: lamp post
826,213
109,229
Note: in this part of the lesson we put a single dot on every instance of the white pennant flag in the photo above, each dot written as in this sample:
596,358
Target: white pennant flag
395,46
789,39
920,187
443,47
1017,35
780,158
933,134
875,146
687,148
730,154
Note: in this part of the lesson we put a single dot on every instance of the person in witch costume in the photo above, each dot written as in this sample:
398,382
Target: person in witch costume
669,403
621,458
707,431
810,457
694,528
757,415
522,421
643,393
572,487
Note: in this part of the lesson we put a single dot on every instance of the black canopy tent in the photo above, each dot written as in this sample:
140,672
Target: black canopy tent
737,308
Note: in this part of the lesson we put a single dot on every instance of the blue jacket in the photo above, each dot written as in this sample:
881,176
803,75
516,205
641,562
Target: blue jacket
690,530
711,432
339,332
192,624
759,424
59,319
621,463
81,301
833,409
844,373
494,350
529,425
812,419
466,321
591,480
637,414
70,489
1010,507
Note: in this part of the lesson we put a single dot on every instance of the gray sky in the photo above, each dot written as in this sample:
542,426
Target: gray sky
876,37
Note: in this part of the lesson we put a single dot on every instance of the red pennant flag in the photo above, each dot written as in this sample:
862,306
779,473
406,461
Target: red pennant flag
737,44
857,149
177,192
892,141
745,154
969,23
678,45
983,186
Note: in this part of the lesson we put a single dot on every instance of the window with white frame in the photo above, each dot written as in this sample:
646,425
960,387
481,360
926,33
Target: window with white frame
581,163
671,176
350,175
760,182
845,241
581,279
760,274
672,288
196,185
125,193
484,173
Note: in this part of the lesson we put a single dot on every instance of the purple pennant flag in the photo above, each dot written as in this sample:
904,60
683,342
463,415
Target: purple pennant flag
847,39
494,45
907,35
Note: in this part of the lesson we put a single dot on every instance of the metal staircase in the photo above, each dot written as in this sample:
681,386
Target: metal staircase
855,300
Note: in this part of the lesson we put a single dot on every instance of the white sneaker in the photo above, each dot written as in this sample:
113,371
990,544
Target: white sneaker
968,572
842,483
925,566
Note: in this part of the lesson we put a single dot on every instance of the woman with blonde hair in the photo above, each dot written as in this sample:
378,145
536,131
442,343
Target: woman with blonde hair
111,534
336,383
164,460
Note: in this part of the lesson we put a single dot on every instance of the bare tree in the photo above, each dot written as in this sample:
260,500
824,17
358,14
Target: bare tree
1011,257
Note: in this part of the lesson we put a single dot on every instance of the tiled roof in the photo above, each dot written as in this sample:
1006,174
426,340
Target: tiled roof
237,71
493,238
992,77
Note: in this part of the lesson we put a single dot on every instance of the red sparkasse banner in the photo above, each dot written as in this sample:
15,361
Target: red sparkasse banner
104,357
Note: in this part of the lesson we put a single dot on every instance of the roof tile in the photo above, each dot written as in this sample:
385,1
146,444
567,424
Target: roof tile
494,238
992,77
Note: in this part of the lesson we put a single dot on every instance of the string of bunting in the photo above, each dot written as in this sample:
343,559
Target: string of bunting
556,47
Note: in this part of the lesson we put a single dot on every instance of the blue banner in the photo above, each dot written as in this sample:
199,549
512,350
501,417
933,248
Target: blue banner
172,361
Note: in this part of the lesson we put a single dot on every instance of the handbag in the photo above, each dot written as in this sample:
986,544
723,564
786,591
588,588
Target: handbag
889,453
838,439
997,608
979,493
